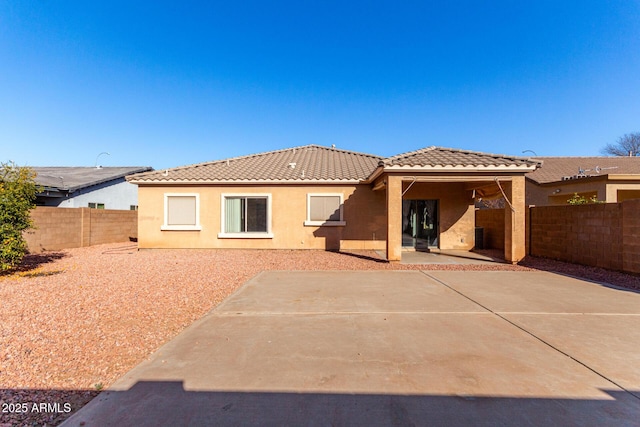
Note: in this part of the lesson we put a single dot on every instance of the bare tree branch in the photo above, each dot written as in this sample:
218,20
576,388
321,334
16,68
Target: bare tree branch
627,145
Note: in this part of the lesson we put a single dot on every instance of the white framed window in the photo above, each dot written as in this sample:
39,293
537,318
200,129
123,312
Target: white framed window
181,211
245,216
325,209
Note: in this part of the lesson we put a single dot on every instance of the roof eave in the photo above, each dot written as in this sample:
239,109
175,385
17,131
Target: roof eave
461,168
249,182
375,174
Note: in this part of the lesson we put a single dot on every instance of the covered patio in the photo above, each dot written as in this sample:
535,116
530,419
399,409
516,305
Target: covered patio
431,194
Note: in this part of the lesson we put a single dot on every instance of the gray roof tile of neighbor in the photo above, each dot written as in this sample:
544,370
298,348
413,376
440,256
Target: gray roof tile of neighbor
71,178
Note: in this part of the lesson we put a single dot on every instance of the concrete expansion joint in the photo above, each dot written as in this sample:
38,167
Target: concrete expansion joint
554,313
346,313
535,336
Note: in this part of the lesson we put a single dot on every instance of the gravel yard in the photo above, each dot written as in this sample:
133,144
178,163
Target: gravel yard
73,322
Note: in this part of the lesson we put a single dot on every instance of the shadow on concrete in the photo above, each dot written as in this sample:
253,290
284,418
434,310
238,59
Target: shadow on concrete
602,276
363,256
168,404
40,407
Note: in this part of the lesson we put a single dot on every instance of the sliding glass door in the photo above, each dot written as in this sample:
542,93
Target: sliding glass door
420,224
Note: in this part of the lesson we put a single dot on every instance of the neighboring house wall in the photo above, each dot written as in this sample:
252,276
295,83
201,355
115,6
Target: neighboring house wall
119,195
57,229
363,211
603,235
610,191
548,194
619,191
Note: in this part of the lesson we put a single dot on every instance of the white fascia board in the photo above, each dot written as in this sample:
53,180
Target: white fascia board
254,181
448,168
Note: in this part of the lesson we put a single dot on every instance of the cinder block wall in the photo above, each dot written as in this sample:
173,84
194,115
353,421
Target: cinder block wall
601,235
585,234
61,228
111,226
54,228
631,235
492,220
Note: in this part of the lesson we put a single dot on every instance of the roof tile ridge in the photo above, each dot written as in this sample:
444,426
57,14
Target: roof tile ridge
342,150
483,153
409,153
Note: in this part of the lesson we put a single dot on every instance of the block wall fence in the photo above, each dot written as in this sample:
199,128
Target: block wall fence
603,235
61,228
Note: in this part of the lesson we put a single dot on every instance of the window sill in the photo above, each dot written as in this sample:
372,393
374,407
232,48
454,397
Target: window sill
180,228
245,235
325,223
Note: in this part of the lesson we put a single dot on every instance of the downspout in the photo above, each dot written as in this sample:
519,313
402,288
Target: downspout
504,194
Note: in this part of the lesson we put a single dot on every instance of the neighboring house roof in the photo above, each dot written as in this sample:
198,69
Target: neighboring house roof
555,169
71,179
447,158
309,163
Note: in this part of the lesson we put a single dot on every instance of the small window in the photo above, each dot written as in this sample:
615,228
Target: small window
245,216
181,212
96,205
133,207
325,209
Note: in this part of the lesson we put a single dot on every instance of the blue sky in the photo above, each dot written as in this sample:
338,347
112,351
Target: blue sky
167,84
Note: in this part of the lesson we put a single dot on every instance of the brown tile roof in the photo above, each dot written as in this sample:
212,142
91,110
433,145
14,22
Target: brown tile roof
449,157
554,169
307,163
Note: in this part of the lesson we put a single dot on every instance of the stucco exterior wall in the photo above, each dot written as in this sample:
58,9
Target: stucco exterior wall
364,214
456,211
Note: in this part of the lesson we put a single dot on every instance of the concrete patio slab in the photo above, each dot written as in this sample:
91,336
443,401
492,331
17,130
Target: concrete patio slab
539,292
437,256
379,348
609,344
345,292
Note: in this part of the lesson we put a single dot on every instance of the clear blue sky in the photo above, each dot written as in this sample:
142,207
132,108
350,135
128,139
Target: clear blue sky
167,84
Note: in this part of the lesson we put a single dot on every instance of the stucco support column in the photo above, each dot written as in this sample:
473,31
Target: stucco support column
394,218
514,220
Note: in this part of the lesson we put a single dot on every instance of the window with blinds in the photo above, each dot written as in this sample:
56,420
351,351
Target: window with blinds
325,209
246,216
181,212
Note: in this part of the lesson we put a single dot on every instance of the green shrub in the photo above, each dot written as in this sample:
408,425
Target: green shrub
577,199
17,197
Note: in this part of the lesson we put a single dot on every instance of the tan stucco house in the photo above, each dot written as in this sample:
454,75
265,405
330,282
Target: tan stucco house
609,179
315,197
